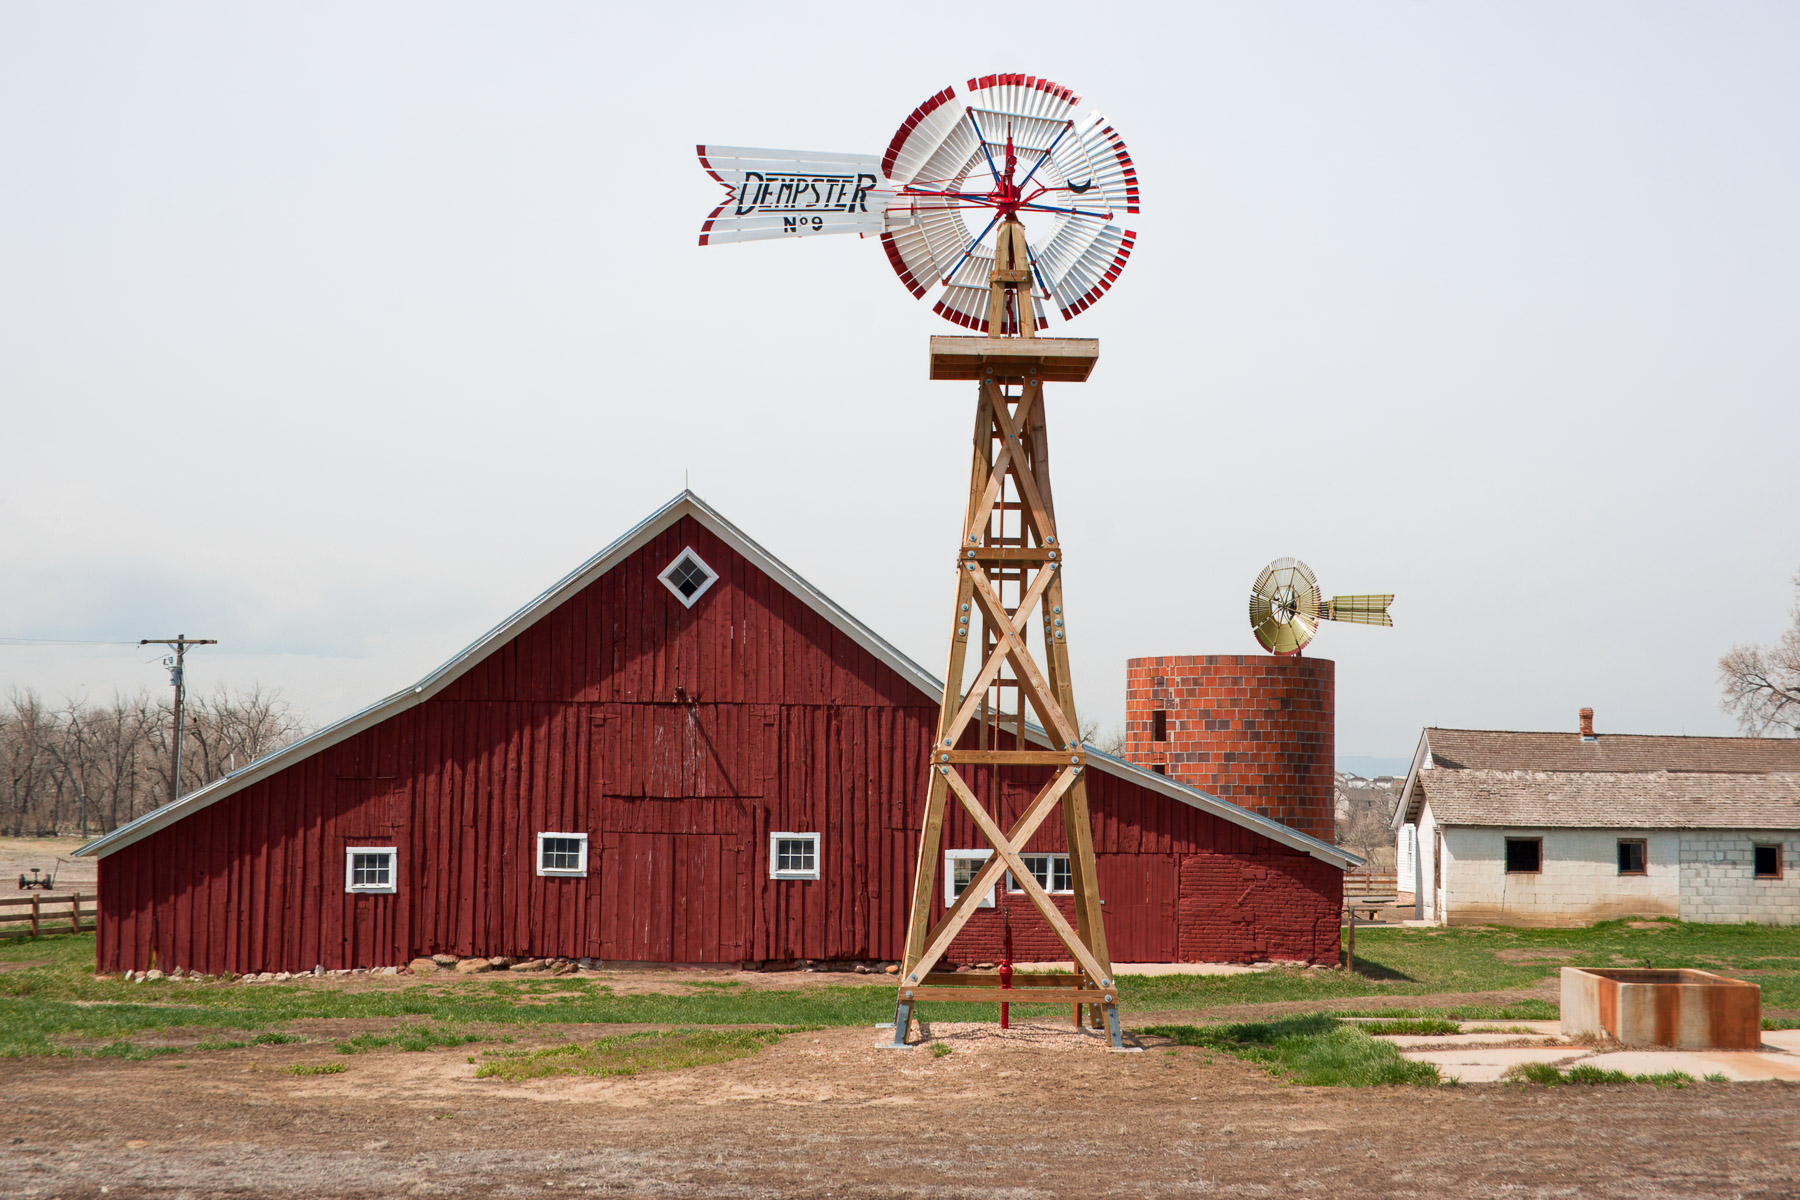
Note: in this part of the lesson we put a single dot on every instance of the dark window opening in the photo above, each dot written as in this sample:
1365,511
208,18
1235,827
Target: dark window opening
1768,862
1160,769
688,576
1631,857
1159,726
1524,856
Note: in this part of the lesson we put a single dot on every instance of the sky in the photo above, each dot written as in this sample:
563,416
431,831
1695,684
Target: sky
338,331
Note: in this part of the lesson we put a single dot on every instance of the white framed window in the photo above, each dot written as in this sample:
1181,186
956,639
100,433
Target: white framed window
960,868
794,856
1050,870
371,869
562,853
688,577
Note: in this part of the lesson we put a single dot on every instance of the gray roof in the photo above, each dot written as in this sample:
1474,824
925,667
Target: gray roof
1614,799
686,504
1504,750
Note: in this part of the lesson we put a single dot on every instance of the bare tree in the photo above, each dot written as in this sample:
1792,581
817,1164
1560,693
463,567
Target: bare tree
1761,684
1111,742
84,766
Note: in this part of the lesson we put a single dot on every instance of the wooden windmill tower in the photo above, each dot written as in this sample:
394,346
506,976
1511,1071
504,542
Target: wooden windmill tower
950,199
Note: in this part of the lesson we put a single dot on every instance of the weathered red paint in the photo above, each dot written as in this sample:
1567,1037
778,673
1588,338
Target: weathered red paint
677,739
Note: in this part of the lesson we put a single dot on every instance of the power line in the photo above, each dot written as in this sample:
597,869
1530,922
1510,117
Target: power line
8,641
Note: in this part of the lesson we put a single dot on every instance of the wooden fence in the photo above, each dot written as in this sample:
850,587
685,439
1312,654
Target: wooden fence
28,916
1367,883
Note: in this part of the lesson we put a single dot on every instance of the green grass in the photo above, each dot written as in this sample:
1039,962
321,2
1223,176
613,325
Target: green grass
1316,1050
129,1050
1717,1077
940,1050
330,1068
1517,1010
407,1037
628,1054
1417,1026
55,1004
1549,1075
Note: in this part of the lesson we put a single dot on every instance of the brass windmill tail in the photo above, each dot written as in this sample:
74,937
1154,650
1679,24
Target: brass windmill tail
1359,610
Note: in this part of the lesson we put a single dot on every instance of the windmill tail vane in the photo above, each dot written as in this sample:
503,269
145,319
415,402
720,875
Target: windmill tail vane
950,196
1359,610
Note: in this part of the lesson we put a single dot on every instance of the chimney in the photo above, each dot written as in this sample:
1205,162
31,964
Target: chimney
1587,724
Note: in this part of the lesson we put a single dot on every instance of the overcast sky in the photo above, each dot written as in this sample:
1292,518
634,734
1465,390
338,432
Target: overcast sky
336,332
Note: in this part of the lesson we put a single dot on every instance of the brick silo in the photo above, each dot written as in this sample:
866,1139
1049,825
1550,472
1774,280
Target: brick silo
1253,729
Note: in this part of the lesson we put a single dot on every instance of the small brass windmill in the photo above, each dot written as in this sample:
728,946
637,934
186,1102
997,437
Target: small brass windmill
1286,607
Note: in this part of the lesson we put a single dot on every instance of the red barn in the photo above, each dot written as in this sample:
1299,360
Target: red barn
683,752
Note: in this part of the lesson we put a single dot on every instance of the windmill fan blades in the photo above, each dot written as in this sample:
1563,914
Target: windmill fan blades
1284,606
1360,610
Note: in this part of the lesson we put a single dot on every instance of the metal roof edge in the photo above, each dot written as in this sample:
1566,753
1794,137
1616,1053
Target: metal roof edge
434,682
684,504
1237,814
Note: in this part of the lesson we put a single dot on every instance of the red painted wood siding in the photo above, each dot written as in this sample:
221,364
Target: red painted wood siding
783,724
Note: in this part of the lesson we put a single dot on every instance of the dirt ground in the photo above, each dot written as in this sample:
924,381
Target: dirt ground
1048,1113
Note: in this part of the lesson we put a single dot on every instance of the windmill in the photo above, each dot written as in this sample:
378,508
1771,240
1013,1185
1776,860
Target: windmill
1286,607
950,200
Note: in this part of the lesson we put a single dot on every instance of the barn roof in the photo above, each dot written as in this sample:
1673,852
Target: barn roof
1615,799
686,504
1488,752
1504,750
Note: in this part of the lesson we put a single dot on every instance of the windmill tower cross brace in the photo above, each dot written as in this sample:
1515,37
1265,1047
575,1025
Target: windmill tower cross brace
918,198
1010,472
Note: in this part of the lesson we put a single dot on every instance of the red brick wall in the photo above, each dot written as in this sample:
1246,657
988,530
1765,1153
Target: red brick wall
1253,729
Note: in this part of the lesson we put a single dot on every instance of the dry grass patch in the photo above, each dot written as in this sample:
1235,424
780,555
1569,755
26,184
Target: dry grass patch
627,1054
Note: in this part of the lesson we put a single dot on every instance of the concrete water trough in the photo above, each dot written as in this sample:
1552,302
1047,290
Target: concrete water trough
1679,1008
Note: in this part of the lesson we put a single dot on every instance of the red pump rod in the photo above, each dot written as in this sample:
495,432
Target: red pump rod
1006,967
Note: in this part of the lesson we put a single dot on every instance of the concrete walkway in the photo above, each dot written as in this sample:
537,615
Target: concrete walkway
1474,1056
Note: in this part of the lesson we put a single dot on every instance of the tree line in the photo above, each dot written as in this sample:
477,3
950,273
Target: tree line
77,767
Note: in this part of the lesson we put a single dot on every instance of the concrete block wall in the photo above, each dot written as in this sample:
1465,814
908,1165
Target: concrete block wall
1718,880
1579,882
1253,729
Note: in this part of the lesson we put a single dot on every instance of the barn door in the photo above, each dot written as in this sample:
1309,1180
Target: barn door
675,897
674,788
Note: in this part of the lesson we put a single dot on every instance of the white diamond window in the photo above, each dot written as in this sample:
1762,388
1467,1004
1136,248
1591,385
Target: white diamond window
688,577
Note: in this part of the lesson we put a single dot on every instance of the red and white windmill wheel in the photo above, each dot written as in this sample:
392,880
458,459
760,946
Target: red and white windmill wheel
966,160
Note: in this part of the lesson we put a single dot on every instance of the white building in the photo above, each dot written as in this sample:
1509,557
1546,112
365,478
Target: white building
1496,827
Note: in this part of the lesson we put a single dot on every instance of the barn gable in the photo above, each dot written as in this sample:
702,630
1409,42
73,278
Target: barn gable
500,664
675,739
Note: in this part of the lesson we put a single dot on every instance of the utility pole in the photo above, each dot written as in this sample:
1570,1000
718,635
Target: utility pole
181,642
